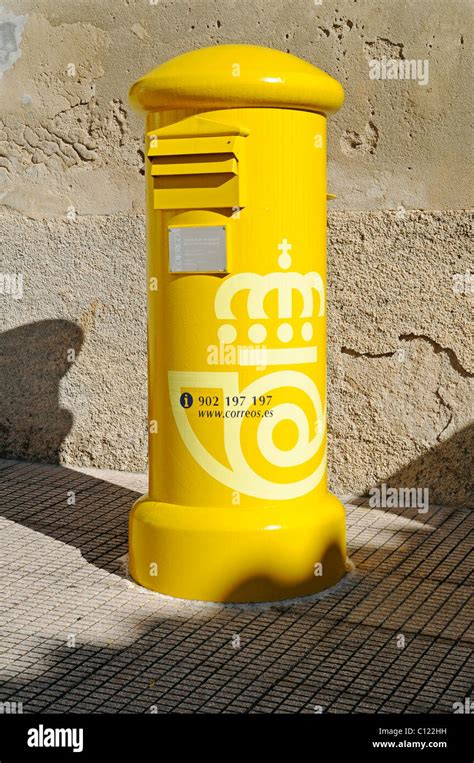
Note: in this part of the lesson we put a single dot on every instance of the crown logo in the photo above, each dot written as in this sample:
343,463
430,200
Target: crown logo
285,283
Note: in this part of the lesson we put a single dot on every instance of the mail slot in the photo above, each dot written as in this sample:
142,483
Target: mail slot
238,507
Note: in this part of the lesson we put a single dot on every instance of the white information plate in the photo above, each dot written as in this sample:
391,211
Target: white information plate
197,249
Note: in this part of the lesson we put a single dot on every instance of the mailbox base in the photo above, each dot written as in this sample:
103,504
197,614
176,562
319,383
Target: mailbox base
237,555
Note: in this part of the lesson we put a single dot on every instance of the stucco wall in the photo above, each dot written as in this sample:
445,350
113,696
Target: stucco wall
71,223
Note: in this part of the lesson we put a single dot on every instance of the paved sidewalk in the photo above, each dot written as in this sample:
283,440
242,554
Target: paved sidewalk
79,636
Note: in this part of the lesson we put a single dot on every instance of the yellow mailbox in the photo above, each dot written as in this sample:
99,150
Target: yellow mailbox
238,507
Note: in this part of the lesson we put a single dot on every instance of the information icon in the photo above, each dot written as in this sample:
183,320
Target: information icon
186,400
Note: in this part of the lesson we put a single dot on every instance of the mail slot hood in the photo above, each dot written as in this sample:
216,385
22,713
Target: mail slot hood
197,163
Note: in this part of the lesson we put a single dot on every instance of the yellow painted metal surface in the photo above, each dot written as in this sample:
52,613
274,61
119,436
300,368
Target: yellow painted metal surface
238,507
236,75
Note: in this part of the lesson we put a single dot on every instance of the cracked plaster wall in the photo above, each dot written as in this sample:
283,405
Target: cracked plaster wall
71,195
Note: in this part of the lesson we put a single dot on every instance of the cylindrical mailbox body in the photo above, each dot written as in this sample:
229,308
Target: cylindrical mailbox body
238,508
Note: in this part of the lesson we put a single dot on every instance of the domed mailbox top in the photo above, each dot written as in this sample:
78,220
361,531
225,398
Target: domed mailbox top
232,76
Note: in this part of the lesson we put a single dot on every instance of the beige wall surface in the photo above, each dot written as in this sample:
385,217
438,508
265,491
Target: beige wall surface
71,225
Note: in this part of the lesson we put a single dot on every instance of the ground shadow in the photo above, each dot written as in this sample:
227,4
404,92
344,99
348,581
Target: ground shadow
71,507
